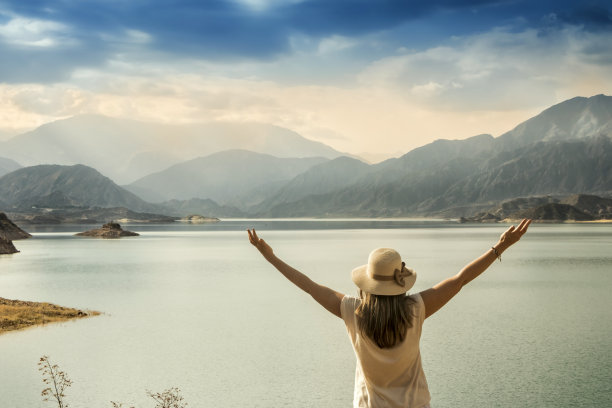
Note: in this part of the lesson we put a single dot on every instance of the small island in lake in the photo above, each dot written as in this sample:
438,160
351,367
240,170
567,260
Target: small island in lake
198,219
19,314
108,230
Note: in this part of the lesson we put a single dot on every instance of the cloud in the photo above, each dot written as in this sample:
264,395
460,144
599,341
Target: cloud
359,77
500,69
335,44
28,32
93,32
349,119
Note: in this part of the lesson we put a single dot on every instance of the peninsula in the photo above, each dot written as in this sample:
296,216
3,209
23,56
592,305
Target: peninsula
7,247
9,232
19,314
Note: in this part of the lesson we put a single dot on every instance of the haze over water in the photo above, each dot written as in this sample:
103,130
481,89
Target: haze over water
197,307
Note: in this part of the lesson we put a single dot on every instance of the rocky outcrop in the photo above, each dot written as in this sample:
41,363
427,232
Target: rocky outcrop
598,207
577,207
554,212
7,247
94,215
9,231
109,230
199,219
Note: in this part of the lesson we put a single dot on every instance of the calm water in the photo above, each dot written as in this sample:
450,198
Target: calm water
196,307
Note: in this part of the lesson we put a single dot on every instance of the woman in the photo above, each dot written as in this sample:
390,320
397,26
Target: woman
384,324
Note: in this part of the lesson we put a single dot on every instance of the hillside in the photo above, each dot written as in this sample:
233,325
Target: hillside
64,186
554,168
598,207
576,118
320,179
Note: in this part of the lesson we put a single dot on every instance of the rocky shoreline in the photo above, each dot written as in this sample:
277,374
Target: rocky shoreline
7,247
9,231
574,208
94,215
198,219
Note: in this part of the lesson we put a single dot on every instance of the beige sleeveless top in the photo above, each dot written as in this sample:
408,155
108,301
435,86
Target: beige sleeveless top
392,377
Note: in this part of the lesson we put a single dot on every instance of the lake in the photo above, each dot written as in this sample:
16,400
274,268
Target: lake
197,307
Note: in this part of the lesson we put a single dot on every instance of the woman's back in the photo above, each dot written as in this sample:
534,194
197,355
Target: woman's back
388,377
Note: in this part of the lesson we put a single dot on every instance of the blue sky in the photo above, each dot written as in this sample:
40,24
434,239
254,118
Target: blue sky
363,76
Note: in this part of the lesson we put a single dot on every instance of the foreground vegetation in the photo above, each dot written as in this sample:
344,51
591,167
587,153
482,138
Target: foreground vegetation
56,382
19,314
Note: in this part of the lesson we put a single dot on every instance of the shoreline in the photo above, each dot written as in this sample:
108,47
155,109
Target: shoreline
20,314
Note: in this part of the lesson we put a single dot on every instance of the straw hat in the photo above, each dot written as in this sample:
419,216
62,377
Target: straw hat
385,274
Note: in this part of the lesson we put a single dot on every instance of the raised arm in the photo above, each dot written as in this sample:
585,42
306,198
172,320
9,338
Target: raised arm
444,291
326,297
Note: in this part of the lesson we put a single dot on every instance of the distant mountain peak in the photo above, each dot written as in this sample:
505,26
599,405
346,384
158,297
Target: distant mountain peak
575,118
57,186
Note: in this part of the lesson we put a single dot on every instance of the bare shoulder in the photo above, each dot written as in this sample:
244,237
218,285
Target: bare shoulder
436,297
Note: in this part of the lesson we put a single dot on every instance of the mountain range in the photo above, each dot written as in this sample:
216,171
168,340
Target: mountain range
565,150
547,154
127,150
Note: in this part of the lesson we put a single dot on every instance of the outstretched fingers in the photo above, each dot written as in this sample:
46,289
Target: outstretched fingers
522,227
252,236
254,239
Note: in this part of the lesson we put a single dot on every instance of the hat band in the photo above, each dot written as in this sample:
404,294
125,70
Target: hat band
398,275
383,277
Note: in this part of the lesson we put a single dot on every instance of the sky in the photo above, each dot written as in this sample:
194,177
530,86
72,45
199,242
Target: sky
375,78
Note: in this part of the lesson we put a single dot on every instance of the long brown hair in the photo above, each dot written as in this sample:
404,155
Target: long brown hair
384,319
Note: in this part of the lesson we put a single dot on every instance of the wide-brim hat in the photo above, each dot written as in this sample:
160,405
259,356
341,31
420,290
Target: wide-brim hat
385,274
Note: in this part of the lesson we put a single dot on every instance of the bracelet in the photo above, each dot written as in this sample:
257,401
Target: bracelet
497,254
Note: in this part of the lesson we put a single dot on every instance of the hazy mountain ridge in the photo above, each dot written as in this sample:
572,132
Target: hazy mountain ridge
450,177
7,166
126,150
223,176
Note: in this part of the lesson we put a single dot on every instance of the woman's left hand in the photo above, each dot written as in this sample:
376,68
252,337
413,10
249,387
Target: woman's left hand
260,244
